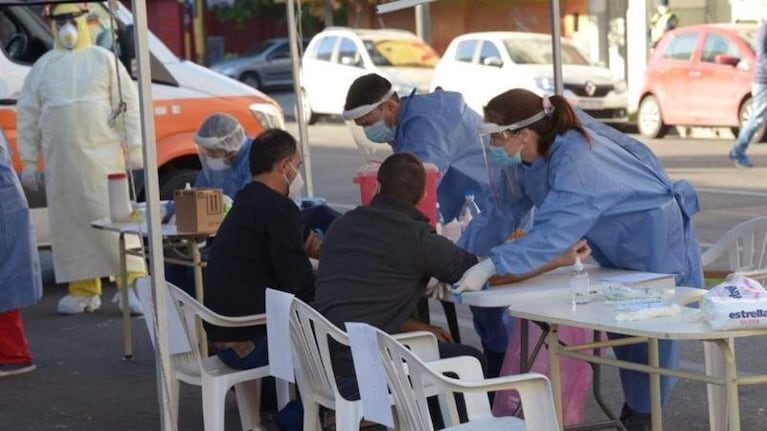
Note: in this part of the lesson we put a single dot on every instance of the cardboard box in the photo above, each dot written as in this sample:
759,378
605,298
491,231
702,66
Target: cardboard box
199,210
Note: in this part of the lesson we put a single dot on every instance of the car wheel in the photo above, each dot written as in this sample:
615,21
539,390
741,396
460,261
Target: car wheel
649,118
251,78
176,180
309,116
746,110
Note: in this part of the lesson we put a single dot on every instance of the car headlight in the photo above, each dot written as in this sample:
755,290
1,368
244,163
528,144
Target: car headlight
546,84
620,86
268,115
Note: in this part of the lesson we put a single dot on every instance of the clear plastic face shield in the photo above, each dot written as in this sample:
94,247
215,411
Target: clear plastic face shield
371,135
498,141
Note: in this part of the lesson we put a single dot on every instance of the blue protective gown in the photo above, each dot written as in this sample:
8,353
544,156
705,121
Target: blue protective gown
439,128
20,281
231,180
615,193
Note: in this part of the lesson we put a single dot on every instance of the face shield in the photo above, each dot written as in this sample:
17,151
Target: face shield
504,177
372,135
218,140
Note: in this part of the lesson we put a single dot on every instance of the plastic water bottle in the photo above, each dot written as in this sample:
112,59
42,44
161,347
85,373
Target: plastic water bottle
468,211
119,198
579,283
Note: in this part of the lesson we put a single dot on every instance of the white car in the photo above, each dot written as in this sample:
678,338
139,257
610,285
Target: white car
337,56
483,65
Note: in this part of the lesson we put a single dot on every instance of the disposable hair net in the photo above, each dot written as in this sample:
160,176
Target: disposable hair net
220,132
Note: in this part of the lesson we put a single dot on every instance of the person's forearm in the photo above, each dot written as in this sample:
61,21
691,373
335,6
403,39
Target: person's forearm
514,278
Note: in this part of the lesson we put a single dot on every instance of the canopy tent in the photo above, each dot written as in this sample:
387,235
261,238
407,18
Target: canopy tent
152,192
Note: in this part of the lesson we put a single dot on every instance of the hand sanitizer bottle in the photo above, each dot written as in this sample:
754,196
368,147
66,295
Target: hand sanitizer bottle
579,283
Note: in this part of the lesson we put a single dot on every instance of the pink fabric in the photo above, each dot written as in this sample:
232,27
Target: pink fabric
13,344
576,375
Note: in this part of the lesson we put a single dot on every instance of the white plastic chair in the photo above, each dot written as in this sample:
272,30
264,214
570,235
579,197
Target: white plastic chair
215,377
408,376
745,247
310,333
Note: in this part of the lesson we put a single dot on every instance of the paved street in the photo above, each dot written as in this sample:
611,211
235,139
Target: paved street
82,383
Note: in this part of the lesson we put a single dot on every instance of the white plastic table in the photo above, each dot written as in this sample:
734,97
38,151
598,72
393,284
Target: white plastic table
553,305
173,240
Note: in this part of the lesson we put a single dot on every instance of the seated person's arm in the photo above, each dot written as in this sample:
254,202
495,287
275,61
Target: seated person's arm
580,249
412,325
293,269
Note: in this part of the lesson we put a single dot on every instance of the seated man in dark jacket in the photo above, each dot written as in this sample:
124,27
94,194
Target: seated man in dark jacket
377,259
260,244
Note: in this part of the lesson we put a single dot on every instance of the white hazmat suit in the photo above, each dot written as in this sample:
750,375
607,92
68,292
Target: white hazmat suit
63,112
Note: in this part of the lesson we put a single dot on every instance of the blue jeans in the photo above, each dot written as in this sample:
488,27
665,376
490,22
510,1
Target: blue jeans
759,105
258,357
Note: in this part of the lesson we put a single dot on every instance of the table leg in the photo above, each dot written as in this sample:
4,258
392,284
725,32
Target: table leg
717,394
127,334
655,401
731,383
556,382
197,269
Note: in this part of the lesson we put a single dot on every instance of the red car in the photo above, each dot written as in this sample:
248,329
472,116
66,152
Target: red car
699,76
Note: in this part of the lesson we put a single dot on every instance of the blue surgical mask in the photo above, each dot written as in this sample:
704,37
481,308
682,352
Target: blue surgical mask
500,155
380,133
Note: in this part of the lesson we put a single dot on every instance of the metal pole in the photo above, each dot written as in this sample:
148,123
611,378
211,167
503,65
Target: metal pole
423,22
556,47
151,181
303,133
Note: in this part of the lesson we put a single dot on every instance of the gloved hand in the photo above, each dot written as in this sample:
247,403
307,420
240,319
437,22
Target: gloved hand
135,159
29,178
475,277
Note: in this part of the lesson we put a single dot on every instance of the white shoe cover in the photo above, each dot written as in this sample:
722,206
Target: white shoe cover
78,304
133,302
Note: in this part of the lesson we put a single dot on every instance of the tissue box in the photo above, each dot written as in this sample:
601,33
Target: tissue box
198,210
737,303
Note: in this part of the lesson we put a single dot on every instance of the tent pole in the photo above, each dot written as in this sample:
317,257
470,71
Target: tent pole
303,133
556,47
151,181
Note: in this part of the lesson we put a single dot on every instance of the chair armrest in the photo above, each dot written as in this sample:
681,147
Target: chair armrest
756,273
422,343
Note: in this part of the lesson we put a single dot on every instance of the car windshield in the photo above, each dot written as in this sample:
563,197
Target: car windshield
532,51
750,38
401,53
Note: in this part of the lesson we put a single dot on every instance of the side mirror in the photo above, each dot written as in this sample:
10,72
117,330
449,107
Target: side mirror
8,102
127,49
492,61
726,59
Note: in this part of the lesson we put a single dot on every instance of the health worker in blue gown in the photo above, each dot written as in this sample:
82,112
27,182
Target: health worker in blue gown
587,180
438,128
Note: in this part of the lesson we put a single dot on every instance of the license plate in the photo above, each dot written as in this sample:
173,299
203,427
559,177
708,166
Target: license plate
590,104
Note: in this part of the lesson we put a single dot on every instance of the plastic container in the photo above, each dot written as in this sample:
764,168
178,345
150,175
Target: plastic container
580,284
119,198
366,177
469,210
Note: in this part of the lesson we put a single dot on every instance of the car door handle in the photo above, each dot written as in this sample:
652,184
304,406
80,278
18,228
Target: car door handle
694,73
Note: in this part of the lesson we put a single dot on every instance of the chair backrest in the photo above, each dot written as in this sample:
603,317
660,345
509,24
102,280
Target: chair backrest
408,393
745,247
310,333
190,310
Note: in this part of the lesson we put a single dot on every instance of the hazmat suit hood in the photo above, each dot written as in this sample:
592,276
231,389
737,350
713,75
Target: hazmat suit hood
83,33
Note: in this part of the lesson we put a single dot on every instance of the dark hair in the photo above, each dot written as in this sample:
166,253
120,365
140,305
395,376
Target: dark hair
270,147
402,177
365,90
517,104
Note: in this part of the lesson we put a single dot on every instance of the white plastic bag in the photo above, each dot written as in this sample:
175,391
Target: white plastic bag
736,303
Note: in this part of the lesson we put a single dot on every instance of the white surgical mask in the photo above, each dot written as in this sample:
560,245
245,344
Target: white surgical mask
296,185
68,35
216,164
380,133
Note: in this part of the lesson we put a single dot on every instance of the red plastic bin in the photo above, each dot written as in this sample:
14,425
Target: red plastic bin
366,178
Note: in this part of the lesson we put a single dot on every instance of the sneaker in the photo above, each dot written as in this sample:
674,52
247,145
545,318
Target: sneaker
14,369
79,304
741,161
134,303
633,420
